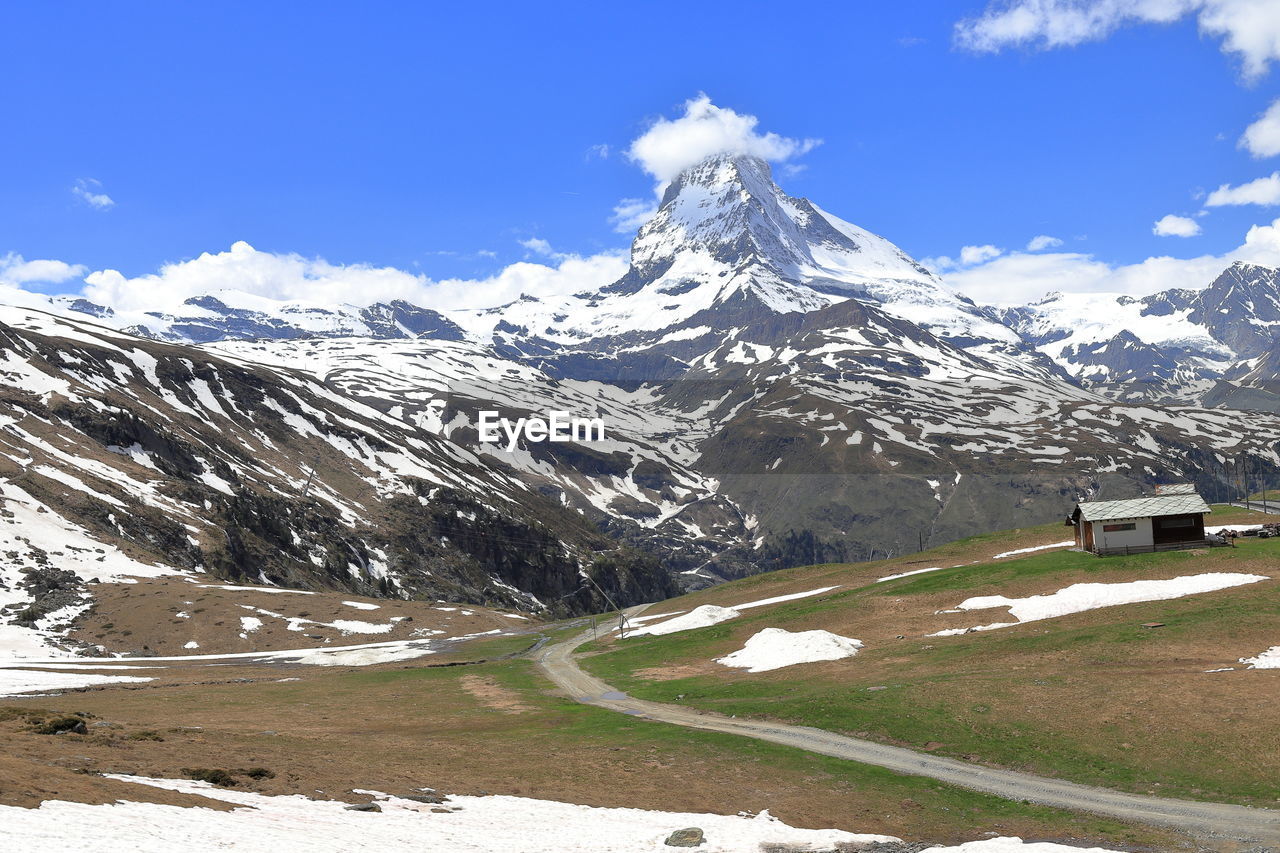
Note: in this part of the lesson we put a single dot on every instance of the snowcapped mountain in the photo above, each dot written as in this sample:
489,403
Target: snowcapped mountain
230,314
1173,346
726,247
777,385
209,463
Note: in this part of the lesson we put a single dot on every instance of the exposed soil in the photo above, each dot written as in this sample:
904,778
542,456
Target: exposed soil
493,695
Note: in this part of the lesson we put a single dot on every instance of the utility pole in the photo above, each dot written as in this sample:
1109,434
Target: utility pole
306,487
622,619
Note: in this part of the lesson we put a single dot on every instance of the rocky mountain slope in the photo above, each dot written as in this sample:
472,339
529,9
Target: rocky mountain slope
181,458
777,386
1174,346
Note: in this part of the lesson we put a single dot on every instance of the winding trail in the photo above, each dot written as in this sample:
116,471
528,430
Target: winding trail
1203,819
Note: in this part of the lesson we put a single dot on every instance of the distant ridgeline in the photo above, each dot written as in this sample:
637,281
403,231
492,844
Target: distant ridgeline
773,386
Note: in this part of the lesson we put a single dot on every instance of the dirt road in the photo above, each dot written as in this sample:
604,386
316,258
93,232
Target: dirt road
1204,820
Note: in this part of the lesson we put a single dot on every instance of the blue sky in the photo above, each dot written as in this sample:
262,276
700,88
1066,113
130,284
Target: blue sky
435,140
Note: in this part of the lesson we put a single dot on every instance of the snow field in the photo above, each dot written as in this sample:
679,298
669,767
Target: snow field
471,825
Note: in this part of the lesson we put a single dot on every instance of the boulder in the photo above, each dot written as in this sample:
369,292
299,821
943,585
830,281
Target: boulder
691,837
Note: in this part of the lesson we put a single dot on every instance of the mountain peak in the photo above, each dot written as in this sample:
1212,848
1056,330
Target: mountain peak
727,243
722,171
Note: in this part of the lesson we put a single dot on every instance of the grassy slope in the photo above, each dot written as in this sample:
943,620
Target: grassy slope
1092,697
493,728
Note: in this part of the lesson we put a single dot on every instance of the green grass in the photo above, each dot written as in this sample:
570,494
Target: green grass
918,706
584,723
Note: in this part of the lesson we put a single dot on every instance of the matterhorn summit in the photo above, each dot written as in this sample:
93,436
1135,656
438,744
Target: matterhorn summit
728,247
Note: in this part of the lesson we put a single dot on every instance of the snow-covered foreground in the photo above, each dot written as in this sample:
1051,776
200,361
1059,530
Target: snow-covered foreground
472,825
1080,597
493,824
774,648
711,614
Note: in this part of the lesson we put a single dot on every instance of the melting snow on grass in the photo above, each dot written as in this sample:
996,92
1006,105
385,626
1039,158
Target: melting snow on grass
471,825
909,574
1016,845
271,589
1069,543
698,617
712,614
1080,597
1239,528
16,681
1270,659
362,605
774,648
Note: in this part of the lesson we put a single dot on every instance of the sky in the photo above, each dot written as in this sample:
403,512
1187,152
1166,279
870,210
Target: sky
463,155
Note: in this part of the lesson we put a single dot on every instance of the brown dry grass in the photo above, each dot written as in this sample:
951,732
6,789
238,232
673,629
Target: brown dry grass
401,728
143,616
493,695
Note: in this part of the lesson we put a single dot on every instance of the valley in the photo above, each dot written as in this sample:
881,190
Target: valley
266,550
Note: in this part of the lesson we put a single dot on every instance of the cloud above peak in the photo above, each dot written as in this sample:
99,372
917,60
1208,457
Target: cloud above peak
671,145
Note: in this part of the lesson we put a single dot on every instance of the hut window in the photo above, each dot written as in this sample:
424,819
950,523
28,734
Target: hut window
1116,528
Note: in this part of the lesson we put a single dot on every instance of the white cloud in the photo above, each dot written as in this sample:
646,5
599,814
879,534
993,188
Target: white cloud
87,190
1020,277
539,246
292,277
1041,242
969,256
671,145
17,271
1175,226
599,150
1249,29
1262,138
630,213
1263,191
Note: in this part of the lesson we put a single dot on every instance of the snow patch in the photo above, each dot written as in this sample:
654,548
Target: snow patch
1270,659
1069,543
1080,597
774,648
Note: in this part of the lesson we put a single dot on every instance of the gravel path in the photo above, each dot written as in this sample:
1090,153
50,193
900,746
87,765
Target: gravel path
1202,819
